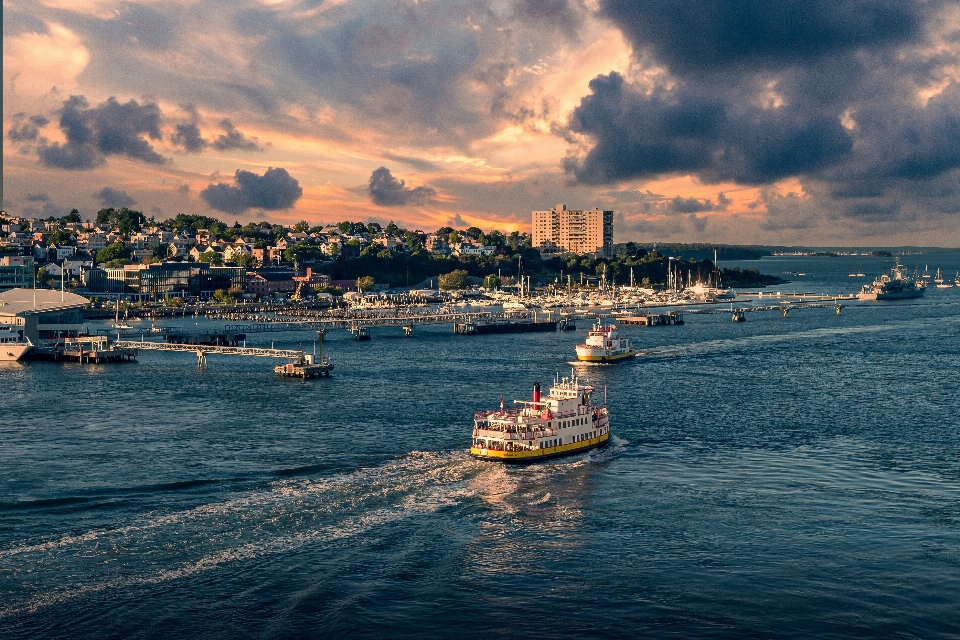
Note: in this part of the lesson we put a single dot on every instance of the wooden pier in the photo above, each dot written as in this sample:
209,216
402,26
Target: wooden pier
86,350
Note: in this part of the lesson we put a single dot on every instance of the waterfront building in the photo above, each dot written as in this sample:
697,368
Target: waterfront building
158,280
264,283
575,230
43,314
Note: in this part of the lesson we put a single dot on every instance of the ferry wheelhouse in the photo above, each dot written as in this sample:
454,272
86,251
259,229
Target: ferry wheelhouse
565,422
605,344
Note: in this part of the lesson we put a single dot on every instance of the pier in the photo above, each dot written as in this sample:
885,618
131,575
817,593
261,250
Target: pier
304,365
85,350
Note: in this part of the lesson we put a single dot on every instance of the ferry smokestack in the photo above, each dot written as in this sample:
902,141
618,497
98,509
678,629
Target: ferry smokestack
536,393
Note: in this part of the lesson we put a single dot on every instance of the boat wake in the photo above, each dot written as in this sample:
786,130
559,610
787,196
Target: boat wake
291,514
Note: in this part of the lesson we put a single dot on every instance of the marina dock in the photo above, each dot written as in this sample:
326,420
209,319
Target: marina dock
85,350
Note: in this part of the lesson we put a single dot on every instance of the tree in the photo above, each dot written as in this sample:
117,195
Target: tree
301,227
43,277
150,260
301,253
211,257
115,251
245,260
453,237
365,283
392,229
474,232
72,217
345,227
222,296
373,227
491,281
454,280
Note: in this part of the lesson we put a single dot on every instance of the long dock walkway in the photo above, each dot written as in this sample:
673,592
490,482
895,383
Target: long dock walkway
203,348
352,322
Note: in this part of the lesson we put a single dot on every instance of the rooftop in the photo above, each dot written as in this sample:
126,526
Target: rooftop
21,301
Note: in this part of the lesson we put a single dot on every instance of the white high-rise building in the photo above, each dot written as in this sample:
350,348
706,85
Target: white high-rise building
577,231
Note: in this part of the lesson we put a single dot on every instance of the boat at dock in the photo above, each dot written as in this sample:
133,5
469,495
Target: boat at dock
895,285
605,344
13,344
563,423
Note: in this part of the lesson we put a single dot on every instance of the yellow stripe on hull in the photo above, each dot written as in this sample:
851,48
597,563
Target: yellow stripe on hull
539,454
615,358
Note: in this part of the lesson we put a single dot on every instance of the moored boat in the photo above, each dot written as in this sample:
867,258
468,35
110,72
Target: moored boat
13,344
563,423
605,344
897,284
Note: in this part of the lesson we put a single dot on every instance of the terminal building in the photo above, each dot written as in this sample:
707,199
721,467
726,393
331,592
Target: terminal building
561,230
43,314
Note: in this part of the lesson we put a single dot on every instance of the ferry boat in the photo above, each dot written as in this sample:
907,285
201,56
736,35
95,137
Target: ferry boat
894,285
605,344
13,344
563,423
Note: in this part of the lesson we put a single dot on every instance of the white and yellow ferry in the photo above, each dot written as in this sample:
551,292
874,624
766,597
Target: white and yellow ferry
563,423
605,344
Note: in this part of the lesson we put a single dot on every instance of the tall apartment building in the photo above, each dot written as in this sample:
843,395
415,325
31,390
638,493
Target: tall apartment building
575,230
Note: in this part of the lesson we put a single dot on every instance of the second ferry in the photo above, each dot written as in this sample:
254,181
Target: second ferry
565,422
605,344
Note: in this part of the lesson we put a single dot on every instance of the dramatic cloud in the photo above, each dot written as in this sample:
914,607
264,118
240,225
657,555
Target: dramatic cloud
38,197
387,191
233,139
26,129
275,189
828,92
117,198
642,135
706,35
111,128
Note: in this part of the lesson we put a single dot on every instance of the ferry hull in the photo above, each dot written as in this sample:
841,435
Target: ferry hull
893,295
13,352
538,455
606,358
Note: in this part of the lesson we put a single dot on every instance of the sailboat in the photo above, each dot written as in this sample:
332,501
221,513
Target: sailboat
116,323
860,273
926,272
941,283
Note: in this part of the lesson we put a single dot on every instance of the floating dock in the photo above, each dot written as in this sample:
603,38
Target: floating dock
475,328
653,319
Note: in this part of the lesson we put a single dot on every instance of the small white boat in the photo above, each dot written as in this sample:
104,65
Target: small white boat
605,344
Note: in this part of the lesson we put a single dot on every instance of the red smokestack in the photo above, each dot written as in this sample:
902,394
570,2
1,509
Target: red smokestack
536,393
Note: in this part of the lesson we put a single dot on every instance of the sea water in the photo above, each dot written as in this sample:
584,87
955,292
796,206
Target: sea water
781,477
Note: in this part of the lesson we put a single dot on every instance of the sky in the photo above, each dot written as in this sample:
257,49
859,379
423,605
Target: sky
814,122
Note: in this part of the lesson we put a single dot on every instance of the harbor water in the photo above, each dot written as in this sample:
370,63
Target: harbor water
782,477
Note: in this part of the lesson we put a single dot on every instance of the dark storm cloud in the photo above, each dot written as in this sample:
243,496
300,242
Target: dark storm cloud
26,129
705,35
111,197
637,135
386,191
38,197
110,128
826,92
233,139
275,189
